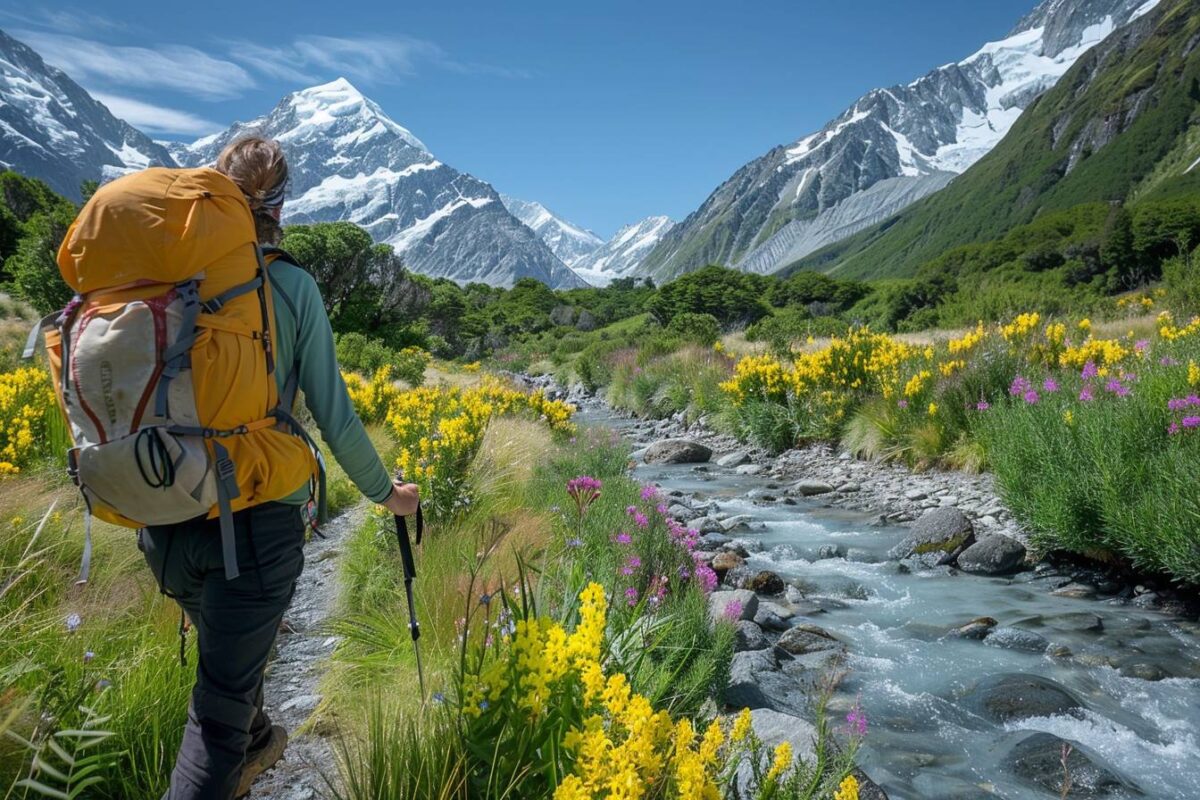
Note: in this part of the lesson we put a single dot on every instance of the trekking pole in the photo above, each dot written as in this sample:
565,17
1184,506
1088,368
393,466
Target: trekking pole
410,572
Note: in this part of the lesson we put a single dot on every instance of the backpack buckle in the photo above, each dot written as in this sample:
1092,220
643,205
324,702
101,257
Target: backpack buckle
224,468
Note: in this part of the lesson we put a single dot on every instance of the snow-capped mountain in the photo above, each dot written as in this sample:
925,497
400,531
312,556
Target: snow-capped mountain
889,149
51,128
565,239
349,161
623,253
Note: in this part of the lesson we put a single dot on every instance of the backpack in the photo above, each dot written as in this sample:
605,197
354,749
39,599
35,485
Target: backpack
163,361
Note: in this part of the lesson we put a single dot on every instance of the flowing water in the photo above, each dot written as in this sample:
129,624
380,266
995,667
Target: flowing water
925,742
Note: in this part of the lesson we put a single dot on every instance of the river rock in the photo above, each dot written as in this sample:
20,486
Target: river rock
1017,639
723,605
734,459
773,728
995,554
677,451
805,638
1143,671
748,636
681,512
1080,591
725,561
1009,697
749,469
827,551
738,522
944,532
776,609
711,541
707,524
793,594
766,582
769,620
811,488
977,628
1077,621
1037,759
755,681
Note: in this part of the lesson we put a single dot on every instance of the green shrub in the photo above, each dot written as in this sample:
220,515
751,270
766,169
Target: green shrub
702,329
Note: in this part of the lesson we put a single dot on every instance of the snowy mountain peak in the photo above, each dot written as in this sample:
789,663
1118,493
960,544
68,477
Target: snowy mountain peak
338,104
622,255
566,240
52,129
889,149
348,160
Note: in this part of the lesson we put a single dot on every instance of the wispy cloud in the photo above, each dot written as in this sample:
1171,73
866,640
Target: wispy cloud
156,119
176,67
64,20
371,59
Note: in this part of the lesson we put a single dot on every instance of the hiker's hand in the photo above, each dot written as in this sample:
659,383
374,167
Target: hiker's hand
404,499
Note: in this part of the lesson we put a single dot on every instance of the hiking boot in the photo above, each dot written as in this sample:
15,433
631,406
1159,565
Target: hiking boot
260,760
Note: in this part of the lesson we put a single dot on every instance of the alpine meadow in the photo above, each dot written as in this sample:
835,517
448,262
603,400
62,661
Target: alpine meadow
331,470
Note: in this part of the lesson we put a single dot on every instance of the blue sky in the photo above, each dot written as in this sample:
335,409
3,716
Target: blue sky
606,112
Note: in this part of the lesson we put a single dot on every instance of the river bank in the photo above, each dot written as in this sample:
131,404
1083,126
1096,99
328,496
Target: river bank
974,682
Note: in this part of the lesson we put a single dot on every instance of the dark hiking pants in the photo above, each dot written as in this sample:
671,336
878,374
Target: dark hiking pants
236,622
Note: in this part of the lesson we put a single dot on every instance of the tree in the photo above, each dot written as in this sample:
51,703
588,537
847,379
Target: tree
732,297
34,268
1116,251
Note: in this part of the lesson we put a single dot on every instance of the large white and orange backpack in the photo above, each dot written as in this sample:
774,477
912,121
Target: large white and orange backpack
163,362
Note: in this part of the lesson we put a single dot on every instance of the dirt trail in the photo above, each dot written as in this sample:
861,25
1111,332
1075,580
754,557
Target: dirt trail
293,678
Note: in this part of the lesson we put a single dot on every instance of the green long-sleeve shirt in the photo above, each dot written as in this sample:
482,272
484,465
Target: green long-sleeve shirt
303,336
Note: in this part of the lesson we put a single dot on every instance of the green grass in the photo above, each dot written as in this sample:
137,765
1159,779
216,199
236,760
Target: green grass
1108,482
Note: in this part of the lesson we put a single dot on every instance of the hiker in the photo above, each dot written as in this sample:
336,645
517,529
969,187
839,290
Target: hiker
229,739
182,354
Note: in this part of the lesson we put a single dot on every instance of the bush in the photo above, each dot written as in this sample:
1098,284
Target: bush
367,356
702,329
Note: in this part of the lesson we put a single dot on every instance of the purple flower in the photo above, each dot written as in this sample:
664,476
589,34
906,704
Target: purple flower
585,490
706,577
1089,371
734,609
576,542
982,405
1020,387
1050,385
1173,428
857,720
88,655
640,520
1141,345
1086,395
1116,387
649,493
1190,422
631,510
622,538
1167,361
661,510
631,596
73,622
901,404
439,697
1031,396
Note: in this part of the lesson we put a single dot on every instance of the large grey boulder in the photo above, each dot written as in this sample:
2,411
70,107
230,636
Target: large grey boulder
996,554
748,636
1017,639
1010,697
941,533
1038,759
677,451
811,488
755,681
806,638
734,459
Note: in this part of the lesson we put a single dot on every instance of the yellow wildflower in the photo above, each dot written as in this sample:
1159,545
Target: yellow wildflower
848,789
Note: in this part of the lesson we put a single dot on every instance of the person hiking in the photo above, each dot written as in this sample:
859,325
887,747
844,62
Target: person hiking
229,738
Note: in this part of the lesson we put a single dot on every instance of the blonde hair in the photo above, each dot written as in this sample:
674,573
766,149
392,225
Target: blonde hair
259,168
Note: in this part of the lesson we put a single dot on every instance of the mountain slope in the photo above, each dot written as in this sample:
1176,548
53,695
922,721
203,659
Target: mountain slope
566,240
1120,125
621,255
52,129
349,161
891,148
